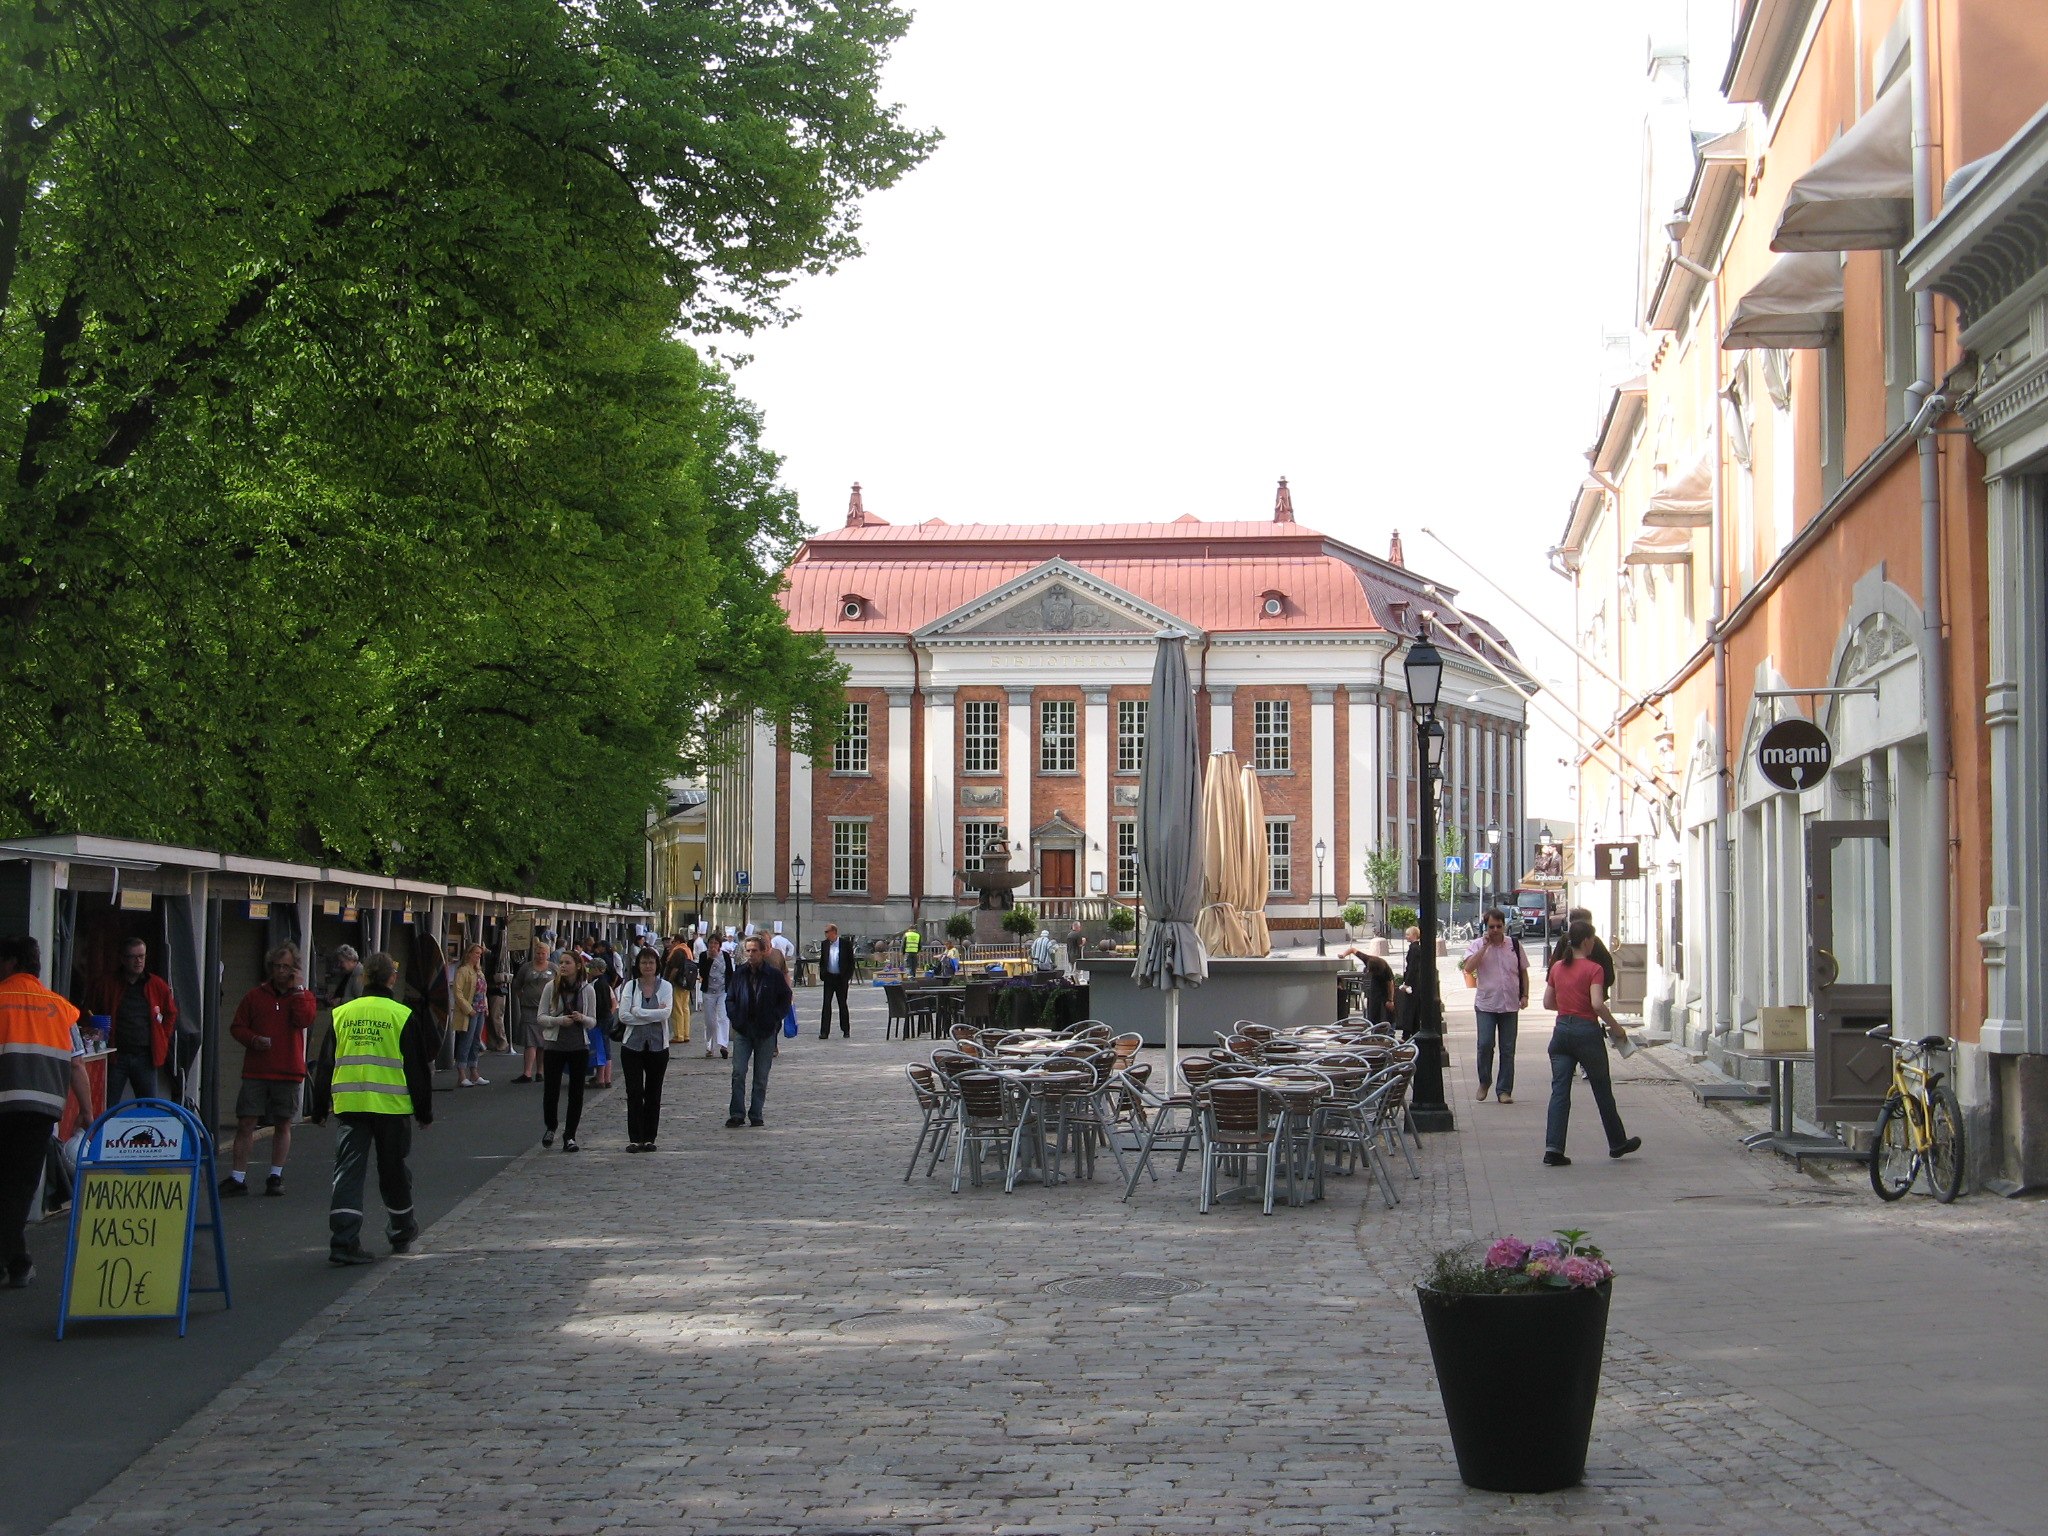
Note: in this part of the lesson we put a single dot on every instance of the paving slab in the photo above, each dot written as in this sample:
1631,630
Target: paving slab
771,1331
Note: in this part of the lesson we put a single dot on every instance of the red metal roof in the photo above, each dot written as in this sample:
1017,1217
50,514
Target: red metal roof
1212,575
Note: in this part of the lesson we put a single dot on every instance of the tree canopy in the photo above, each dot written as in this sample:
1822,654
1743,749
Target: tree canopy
365,503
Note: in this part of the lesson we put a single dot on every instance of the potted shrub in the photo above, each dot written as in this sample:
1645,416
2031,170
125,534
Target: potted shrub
1401,919
1121,921
1516,1335
1353,915
960,927
1021,921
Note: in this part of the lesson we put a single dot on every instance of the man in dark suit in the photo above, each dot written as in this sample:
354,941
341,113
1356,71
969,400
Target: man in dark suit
835,974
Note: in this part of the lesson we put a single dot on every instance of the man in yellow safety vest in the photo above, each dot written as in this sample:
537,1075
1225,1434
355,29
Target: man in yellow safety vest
375,1073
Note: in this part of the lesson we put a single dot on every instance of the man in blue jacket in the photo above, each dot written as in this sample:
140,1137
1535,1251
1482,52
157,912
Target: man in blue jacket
756,1000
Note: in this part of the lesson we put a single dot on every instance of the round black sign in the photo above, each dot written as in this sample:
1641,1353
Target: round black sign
1794,754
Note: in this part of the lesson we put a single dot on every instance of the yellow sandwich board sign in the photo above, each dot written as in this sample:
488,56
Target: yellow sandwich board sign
146,1170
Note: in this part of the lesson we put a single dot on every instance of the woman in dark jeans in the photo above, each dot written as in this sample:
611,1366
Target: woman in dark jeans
644,1003
568,1006
1577,992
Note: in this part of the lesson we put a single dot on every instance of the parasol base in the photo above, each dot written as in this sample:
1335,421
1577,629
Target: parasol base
1431,1120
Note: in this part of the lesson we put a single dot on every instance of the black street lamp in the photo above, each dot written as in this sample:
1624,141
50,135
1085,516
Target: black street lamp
1427,1107
796,893
697,899
1320,852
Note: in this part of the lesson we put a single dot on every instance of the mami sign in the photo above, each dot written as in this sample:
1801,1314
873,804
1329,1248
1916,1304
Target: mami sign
1794,754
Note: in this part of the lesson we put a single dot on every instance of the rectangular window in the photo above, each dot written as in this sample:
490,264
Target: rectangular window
850,858
1056,736
1280,856
981,724
850,751
1272,744
1834,417
977,835
1127,858
1130,735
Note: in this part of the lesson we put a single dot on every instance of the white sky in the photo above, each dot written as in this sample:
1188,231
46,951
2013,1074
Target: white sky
1174,249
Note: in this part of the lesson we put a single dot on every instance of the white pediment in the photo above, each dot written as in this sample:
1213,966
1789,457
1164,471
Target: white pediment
1053,600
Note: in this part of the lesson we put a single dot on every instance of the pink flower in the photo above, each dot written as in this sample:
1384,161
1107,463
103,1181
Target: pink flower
1507,1253
1583,1271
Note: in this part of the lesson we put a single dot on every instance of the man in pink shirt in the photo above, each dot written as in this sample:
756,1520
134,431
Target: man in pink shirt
271,1023
1501,971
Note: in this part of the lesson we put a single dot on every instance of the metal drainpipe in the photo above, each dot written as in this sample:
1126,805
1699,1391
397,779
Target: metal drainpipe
1933,647
1721,884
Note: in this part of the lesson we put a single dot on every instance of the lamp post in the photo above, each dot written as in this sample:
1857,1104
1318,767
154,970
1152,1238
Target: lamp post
796,894
1320,852
697,896
1492,860
1425,671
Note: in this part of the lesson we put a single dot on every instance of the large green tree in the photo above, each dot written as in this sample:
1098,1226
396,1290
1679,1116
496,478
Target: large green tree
360,498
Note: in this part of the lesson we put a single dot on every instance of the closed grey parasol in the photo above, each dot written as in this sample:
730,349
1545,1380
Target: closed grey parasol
1170,840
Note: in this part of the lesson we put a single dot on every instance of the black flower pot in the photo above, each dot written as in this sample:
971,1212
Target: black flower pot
1519,1374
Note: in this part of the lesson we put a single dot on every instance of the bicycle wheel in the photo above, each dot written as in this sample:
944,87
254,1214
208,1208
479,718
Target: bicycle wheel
1945,1127
1892,1160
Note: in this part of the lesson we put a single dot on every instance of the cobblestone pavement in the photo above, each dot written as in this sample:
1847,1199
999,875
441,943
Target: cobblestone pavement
761,1332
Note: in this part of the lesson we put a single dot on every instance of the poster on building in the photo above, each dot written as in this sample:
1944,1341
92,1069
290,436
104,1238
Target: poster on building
519,933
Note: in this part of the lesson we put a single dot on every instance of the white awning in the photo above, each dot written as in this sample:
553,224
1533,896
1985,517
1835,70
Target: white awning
1797,303
1660,546
1859,195
1686,498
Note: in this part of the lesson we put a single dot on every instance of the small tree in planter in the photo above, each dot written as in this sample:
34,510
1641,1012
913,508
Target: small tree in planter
1533,1315
1121,921
1021,921
1401,919
1353,916
960,927
1382,875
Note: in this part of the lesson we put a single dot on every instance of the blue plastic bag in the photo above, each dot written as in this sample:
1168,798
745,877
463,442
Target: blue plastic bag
789,1023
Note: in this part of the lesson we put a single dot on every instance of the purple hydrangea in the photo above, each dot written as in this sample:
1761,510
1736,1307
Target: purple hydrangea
1509,1253
1546,1248
1579,1270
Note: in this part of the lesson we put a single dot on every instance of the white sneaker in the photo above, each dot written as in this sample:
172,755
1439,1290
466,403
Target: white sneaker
462,1082
480,1082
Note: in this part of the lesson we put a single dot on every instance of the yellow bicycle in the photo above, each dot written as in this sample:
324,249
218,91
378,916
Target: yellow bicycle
1920,1128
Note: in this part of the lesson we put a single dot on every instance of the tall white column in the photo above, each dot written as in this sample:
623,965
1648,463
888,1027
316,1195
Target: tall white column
901,776
1322,789
1363,790
1019,753
1222,732
1095,749
939,757
760,855
801,840
1401,723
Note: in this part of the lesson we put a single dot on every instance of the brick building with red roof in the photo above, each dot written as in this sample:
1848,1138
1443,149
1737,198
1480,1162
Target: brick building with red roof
997,689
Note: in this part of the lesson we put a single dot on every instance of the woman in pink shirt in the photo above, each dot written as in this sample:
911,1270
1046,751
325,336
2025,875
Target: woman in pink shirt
1500,973
1577,992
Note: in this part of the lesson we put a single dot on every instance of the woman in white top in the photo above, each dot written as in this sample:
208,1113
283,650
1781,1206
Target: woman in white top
644,1003
718,964
568,1006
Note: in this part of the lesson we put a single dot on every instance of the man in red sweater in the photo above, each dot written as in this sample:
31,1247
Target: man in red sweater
271,1022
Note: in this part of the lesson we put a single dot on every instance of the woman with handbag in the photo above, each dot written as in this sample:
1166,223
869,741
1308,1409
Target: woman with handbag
471,1008
641,1029
568,1006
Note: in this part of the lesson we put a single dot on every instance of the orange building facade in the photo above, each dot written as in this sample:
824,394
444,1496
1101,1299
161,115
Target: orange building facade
997,689
1802,507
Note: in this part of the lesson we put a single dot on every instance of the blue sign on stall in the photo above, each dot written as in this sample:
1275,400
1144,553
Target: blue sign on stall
135,1210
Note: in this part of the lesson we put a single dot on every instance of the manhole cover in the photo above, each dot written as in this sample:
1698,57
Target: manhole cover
1123,1287
920,1327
